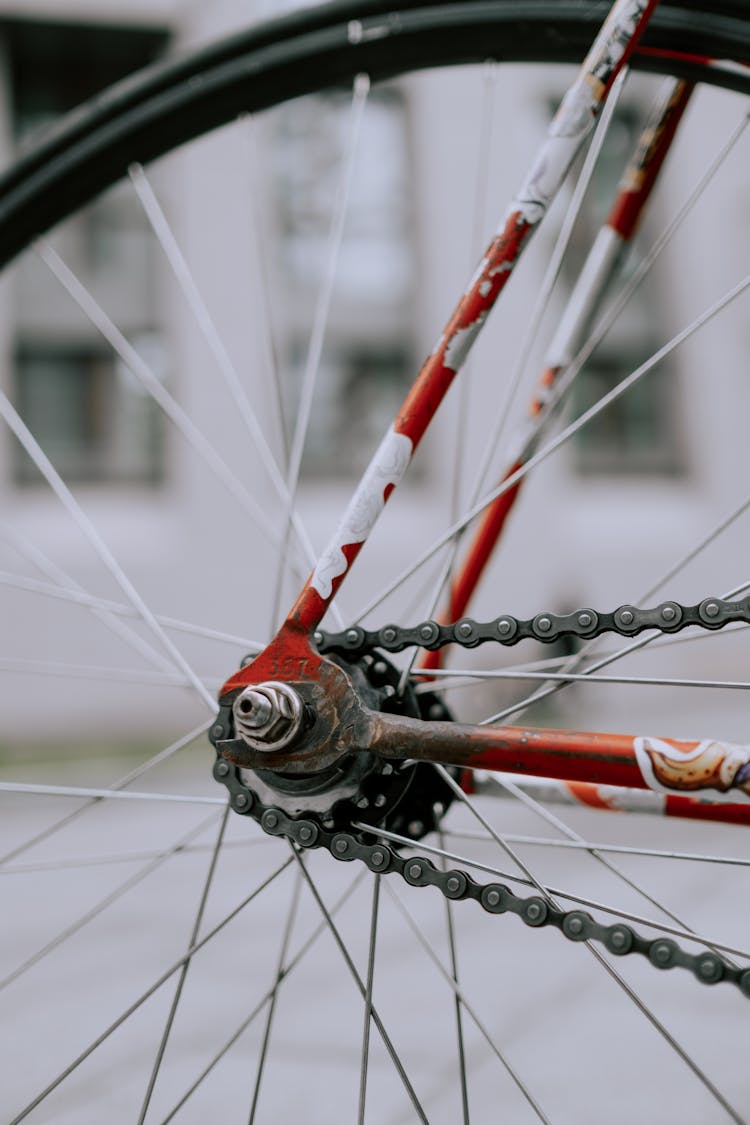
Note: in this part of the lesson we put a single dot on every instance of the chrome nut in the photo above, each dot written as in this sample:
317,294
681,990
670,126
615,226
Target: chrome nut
268,716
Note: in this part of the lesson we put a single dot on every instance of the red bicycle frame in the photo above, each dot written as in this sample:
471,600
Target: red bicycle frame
612,759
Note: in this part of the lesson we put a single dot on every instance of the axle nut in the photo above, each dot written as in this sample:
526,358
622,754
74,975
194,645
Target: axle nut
268,716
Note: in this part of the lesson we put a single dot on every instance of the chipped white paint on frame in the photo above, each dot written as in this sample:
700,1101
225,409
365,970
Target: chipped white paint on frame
476,276
386,468
568,130
460,343
575,116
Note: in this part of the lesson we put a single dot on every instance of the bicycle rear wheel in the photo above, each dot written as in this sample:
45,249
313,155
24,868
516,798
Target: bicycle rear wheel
108,942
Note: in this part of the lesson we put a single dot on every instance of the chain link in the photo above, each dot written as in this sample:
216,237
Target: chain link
496,898
585,624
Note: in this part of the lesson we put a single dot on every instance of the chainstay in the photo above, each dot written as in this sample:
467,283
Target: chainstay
585,624
495,898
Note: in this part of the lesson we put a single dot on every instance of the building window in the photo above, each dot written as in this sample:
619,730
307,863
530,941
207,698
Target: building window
367,361
363,385
312,135
637,434
88,413
55,66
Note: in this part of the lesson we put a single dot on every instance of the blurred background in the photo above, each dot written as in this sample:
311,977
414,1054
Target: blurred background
437,158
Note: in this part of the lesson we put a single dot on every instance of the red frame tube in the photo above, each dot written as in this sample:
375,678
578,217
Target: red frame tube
573,122
614,799
633,193
675,768
717,771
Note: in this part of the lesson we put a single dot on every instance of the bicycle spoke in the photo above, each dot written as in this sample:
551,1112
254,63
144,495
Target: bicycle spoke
549,817
360,92
667,1036
368,1000
598,334
63,493
177,416
122,857
113,896
479,210
202,317
461,1050
603,662
456,677
279,976
96,672
184,970
204,321
540,307
104,794
362,990
565,137
462,1000
556,892
230,1042
478,237
81,597
710,537
380,317
665,641
63,581
253,160
132,775
598,846
641,642
149,992
549,280
448,677
287,969
616,976
479,675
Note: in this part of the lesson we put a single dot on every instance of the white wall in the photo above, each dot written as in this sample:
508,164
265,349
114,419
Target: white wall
190,552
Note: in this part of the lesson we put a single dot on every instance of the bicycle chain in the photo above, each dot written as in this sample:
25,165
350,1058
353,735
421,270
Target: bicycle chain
495,898
585,624
577,925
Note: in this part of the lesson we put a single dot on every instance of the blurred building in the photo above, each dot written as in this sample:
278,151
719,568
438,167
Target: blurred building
251,209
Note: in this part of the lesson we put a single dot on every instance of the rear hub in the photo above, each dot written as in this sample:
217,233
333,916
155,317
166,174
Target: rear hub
273,716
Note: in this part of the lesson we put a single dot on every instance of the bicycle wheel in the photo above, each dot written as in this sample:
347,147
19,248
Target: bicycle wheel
117,1019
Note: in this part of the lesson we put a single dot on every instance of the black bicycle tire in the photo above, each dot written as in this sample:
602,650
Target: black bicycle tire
92,148
169,103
